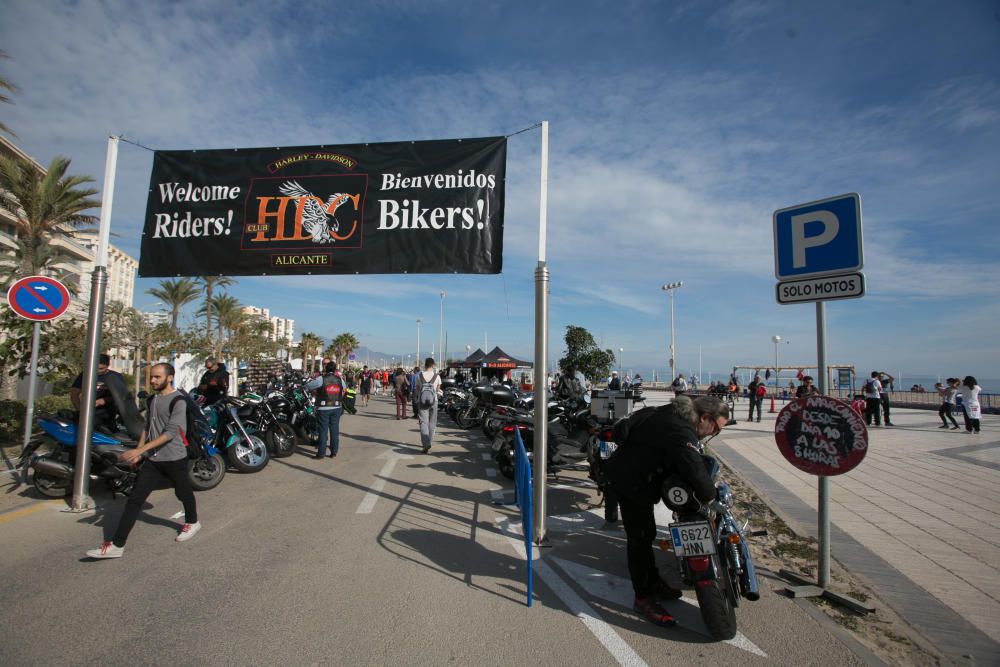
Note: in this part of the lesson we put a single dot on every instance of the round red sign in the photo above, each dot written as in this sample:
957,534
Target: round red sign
821,435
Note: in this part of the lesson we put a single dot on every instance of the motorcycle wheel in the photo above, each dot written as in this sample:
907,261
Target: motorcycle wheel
51,487
206,473
308,432
467,418
281,439
717,608
505,463
245,458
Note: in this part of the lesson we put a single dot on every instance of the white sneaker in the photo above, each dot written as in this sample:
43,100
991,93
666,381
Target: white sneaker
187,531
107,550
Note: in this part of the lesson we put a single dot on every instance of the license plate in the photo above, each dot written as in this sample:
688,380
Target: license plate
692,539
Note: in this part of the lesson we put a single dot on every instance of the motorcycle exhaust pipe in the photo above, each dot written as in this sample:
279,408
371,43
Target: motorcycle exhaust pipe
53,468
750,592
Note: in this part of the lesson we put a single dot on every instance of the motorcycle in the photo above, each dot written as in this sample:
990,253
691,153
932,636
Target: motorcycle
571,433
53,471
244,450
712,550
268,418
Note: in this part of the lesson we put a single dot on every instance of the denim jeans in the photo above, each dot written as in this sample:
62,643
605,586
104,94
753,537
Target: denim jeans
329,423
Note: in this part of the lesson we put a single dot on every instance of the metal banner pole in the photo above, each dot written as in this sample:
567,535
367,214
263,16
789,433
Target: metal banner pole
85,429
823,573
541,352
29,414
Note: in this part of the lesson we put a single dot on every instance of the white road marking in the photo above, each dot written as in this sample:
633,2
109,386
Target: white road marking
618,590
375,490
624,654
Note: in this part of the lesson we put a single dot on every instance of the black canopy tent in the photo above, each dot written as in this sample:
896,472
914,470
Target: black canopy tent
497,362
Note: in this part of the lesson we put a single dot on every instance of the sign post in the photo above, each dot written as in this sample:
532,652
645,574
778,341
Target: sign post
39,299
817,256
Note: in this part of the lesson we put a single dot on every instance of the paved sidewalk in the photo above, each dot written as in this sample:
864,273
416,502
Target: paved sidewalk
917,518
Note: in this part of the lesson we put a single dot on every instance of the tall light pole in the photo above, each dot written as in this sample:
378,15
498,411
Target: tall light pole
776,340
669,289
418,341
621,353
441,332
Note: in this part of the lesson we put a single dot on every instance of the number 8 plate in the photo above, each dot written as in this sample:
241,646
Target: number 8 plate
692,539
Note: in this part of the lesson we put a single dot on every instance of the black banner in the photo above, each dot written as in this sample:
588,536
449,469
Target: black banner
405,207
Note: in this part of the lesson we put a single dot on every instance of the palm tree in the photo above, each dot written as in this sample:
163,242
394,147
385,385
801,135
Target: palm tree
343,345
137,332
309,345
5,84
43,205
228,316
175,294
45,260
208,284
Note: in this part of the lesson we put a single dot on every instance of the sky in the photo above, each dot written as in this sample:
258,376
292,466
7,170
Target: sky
676,130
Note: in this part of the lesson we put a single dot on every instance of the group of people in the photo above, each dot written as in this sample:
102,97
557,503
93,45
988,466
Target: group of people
968,390
417,389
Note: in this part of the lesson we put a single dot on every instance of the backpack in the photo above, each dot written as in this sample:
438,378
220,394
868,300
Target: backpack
624,426
869,387
427,396
197,434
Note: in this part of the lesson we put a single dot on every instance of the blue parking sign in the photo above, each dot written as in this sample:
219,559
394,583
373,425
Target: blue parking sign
819,238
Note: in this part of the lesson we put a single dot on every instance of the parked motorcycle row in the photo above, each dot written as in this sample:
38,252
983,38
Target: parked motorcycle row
710,545
246,432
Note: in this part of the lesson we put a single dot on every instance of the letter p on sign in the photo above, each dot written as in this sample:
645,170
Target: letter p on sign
818,238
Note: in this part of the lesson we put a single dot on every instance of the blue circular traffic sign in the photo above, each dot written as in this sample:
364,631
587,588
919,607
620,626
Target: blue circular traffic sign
38,298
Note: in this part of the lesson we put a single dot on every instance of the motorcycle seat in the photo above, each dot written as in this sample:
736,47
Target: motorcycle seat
244,411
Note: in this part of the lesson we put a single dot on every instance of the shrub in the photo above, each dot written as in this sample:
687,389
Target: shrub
11,420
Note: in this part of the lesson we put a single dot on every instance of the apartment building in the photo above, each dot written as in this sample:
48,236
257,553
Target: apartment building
282,330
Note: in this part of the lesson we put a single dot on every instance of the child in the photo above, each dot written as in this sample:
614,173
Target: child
858,404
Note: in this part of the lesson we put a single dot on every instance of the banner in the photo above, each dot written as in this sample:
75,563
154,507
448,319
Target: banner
404,207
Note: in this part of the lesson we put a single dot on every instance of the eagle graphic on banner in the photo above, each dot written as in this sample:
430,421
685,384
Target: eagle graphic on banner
317,220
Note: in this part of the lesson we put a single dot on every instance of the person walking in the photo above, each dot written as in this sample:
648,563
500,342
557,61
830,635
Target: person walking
426,391
365,385
412,379
402,391
948,394
163,436
328,390
970,403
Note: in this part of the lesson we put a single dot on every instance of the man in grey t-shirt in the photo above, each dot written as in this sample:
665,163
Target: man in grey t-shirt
164,437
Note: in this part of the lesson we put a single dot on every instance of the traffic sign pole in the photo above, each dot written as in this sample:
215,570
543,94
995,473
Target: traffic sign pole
29,414
823,569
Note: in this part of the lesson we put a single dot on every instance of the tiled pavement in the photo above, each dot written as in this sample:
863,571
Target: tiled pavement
918,518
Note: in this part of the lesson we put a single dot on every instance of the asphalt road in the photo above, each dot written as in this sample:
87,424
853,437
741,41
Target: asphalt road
380,556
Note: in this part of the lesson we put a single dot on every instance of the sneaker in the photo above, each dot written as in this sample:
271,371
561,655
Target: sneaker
649,608
425,449
955,428
187,531
665,591
107,550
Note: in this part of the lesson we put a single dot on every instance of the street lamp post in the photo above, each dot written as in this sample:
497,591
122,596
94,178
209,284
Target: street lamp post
418,340
441,333
621,353
776,340
669,289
